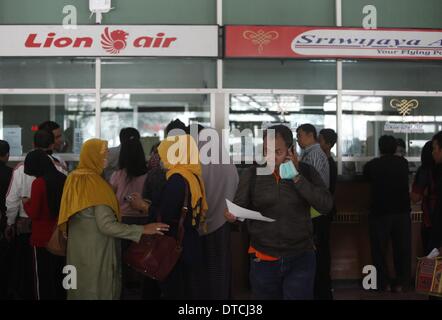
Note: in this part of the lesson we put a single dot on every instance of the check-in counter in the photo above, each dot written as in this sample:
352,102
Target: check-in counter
349,238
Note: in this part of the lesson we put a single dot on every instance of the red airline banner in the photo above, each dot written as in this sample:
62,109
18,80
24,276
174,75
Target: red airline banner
324,42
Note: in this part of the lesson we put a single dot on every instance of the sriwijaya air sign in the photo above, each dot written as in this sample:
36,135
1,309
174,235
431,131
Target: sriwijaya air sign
318,42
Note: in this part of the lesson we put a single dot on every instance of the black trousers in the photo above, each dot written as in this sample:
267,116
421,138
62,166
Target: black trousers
397,228
218,264
48,275
323,287
185,282
6,268
22,275
426,236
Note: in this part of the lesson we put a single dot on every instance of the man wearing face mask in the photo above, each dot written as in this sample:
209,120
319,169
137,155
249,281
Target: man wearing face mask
282,252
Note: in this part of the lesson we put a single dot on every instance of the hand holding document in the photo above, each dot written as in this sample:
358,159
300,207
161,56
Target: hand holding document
241,213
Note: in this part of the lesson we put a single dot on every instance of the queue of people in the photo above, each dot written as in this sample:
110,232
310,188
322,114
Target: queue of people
116,197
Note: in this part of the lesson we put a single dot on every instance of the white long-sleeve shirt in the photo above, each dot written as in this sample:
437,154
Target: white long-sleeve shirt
19,187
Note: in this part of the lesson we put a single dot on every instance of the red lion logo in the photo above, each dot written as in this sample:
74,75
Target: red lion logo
115,41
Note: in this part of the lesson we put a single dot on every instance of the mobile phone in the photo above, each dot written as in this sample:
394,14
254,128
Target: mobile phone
292,149
128,198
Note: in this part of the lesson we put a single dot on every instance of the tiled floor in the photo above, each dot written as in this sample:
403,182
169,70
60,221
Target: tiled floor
352,291
361,294
342,291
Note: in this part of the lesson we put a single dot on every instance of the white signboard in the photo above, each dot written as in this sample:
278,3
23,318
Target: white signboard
404,127
112,40
13,136
369,43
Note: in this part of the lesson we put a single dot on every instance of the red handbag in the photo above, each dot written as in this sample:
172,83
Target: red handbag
155,256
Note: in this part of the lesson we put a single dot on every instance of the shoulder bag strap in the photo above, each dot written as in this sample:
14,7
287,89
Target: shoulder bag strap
184,211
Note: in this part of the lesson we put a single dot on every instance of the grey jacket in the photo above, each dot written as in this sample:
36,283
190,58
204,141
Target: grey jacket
289,204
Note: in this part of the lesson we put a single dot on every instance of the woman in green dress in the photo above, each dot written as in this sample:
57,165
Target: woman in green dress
90,213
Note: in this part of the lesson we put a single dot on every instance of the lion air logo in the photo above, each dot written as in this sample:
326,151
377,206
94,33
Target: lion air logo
115,41
260,38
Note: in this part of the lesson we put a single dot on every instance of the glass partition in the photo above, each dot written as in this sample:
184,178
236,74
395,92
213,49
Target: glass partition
20,116
78,73
150,114
414,120
251,112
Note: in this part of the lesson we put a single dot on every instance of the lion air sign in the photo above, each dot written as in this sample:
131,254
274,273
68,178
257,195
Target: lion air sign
322,42
118,40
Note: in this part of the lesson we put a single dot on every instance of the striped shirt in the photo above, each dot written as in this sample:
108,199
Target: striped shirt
314,156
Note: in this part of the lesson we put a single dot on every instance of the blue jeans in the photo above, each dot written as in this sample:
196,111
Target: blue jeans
289,278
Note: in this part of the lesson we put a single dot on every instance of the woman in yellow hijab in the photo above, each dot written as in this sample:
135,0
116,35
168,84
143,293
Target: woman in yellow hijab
89,211
180,155
180,158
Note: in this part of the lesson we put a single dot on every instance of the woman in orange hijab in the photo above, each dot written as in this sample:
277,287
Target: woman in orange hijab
90,212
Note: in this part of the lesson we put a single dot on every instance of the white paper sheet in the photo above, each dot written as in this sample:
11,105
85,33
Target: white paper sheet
13,136
242,213
433,254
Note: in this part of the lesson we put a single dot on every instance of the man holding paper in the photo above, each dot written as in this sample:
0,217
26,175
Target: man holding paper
282,252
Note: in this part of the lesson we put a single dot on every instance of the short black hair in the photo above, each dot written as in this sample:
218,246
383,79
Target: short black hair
387,144
308,128
329,136
438,138
401,143
284,132
43,139
175,124
4,148
49,126
129,133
